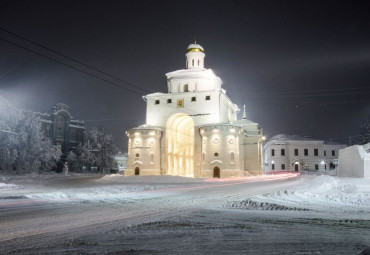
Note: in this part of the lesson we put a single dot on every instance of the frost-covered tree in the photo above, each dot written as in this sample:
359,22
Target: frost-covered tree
24,146
365,131
99,150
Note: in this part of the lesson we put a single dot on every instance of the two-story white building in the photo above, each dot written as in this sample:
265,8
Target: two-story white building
297,153
193,129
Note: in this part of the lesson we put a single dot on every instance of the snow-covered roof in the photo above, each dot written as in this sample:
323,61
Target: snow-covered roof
191,73
194,46
330,142
147,127
157,94
284,137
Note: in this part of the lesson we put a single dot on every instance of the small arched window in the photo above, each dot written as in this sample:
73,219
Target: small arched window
137,155
186,88
192,62
232,155
152,157
203,156
216,154
198,62
187,64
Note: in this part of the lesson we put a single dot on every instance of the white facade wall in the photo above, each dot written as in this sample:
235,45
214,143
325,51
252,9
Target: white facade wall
218,108
220,148
193,80
354,161
144,149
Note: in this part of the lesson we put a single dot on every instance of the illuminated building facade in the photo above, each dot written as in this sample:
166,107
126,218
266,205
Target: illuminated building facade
193,129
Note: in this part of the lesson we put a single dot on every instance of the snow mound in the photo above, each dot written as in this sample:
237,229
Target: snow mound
101,193
5,186
323,193
250,204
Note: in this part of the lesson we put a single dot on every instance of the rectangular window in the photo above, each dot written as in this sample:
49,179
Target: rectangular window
306,152
273,166
316,166
59,132
156,101
208,97
273,152
333,153
193,99
169,101
282,152
316,152
324,153
282,166
295,152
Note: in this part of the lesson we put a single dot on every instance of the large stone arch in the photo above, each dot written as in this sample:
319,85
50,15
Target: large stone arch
180,145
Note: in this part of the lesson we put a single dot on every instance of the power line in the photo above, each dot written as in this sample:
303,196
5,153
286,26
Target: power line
70,66
73,59
95,76
304,91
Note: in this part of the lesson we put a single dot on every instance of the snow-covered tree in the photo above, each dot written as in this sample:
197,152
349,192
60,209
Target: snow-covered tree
24,146
99,150
365,131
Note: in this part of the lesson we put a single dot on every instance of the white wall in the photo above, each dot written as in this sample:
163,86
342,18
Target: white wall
354,161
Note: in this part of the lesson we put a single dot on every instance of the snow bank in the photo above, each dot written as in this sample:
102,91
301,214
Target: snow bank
5,186
112,193
323,193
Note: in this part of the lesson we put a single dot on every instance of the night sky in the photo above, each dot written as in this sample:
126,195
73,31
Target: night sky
300,67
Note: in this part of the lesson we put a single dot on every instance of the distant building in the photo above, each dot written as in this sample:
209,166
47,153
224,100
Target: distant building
297,153
193,130
63,130
121,160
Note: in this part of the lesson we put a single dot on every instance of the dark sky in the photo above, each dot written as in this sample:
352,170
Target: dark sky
301,67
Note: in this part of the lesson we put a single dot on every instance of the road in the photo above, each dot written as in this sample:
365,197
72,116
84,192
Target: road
172,218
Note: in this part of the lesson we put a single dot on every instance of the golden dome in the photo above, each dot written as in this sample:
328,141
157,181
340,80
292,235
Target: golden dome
194,48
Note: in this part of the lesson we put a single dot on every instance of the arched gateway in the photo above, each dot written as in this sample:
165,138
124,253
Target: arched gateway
180,145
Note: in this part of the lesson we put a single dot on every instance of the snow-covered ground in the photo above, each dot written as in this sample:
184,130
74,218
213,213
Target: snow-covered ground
113,214
318,193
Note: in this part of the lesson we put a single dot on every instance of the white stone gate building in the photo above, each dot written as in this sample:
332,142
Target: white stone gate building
193,129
